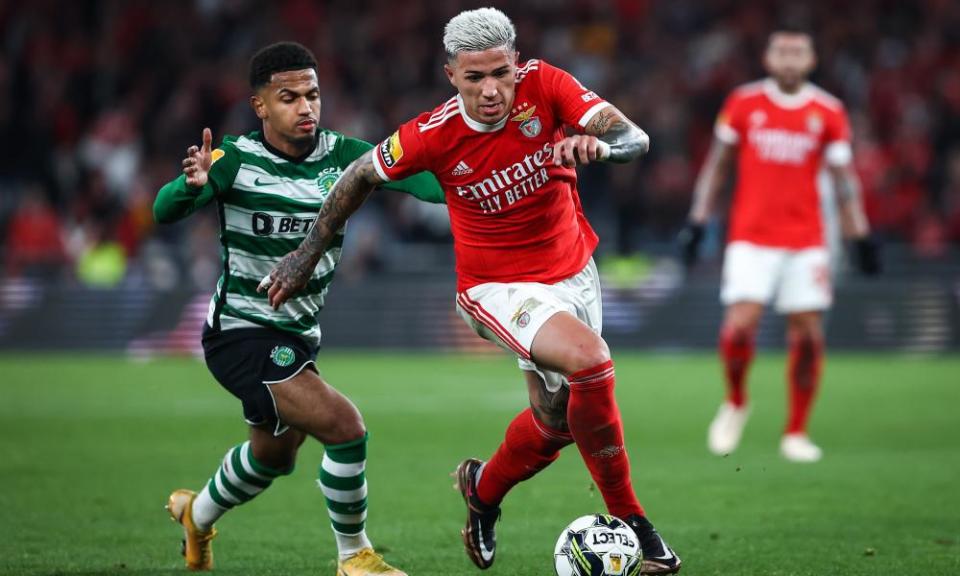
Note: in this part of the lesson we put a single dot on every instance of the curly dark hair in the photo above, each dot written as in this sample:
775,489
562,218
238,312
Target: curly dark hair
279,57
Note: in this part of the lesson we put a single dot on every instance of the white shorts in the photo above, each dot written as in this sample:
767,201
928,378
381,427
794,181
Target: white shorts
510,315
800,279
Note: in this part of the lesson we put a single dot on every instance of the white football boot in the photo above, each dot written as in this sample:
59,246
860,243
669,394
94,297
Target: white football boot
723,437
799,448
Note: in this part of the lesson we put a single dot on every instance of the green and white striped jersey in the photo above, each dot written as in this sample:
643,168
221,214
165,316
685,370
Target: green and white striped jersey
267,202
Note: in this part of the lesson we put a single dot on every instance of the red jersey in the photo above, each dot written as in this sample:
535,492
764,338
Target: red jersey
515,217
782,139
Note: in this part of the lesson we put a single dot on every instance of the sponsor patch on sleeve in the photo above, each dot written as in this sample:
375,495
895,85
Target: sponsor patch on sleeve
390,150
216,155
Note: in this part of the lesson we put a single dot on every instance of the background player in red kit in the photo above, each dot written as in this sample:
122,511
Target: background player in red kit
526,278
780,129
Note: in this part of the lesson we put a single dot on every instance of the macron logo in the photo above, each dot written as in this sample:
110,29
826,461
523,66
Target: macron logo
462,169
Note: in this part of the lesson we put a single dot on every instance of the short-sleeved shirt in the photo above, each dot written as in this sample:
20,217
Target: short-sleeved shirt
782,140
515,217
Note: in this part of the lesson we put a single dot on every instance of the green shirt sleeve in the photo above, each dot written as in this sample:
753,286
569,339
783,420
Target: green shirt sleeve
423,186
177,200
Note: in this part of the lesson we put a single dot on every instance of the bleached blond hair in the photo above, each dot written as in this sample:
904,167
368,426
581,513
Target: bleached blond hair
478,30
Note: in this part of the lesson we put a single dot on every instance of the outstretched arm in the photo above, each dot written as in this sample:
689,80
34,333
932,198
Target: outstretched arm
192,190
292,272
609,136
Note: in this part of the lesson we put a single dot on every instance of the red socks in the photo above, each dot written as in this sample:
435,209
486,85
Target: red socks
736,350
528,447
594,420
803,375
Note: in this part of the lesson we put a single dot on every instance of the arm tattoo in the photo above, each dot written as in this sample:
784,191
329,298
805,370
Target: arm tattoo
601,122
626,140
348,194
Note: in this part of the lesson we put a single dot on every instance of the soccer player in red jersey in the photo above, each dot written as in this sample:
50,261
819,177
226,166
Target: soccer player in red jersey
781,130
526,277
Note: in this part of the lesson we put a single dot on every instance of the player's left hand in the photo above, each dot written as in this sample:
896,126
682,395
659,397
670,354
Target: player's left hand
867,255
288,277
577,149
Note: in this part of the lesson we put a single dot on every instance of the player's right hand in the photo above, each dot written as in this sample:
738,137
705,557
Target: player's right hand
689,239
577,150
288,277
196,166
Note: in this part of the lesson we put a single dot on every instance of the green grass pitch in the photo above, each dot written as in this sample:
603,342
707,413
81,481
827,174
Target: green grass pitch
91,446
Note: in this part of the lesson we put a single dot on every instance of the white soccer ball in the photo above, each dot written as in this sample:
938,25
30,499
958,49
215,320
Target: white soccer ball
597,545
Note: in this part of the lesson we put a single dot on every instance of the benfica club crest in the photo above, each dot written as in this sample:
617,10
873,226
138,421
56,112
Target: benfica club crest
530,125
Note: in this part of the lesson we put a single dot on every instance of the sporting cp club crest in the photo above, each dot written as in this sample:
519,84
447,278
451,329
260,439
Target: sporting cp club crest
326,181
282,356
530,125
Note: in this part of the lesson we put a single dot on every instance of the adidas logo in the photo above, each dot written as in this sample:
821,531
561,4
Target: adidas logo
462,169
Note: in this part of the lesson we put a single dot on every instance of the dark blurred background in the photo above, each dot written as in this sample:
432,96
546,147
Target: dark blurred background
99,100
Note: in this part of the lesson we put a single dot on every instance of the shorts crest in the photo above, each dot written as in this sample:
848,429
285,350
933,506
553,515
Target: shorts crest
282,356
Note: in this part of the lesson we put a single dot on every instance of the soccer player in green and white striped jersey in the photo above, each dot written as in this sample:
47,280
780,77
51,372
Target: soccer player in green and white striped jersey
267,187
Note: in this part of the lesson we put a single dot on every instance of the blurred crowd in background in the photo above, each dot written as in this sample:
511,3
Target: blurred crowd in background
100,99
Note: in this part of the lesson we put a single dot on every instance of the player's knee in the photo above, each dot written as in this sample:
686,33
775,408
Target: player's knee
738,334
742,321
805,339
588,355
348,428
805,330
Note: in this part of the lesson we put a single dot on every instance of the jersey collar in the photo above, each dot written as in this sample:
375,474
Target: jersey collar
784,100
479,126
287,157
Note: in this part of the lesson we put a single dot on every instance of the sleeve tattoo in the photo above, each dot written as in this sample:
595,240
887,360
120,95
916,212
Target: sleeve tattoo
627,141
348,194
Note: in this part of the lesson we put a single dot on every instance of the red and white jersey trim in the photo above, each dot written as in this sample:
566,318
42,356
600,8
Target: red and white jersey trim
450,109
726,134
529,66
589,113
